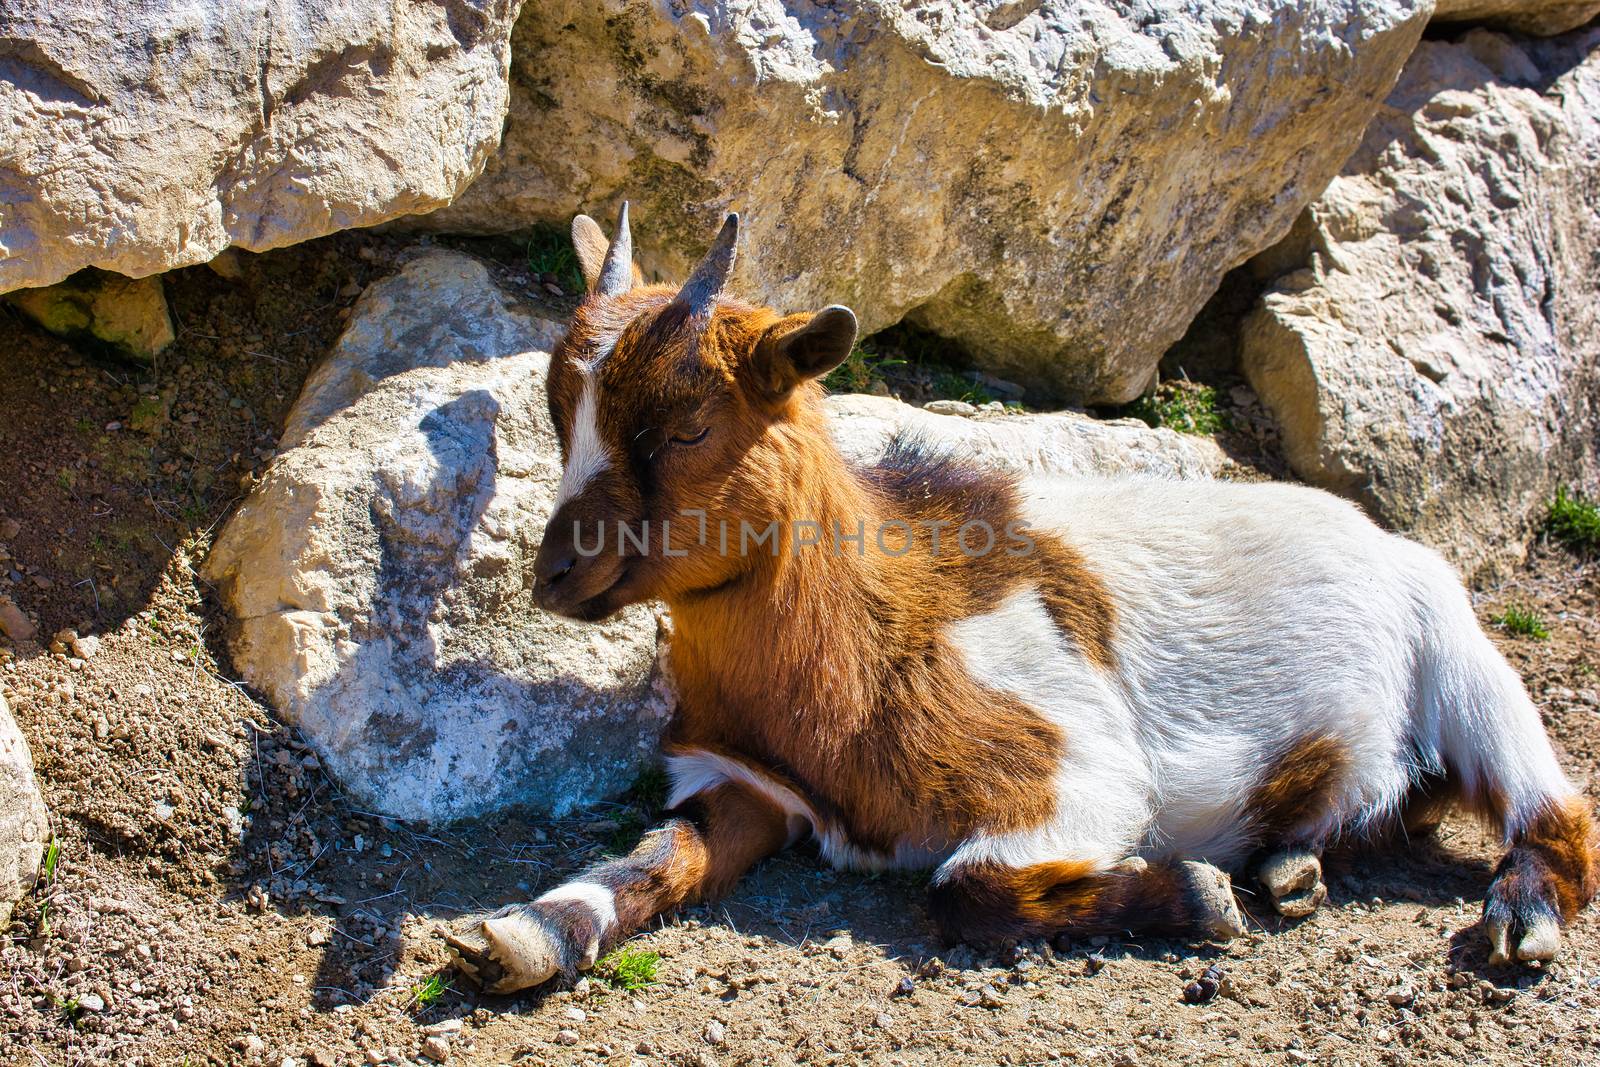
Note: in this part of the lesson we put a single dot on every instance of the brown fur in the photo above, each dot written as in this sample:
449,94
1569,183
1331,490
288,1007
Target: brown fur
1558,850
984,904
1295,793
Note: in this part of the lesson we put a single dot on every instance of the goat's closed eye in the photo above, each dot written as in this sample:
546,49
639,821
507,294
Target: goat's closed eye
691,438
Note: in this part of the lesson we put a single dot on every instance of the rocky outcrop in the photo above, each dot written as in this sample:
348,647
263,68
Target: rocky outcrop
1056,444
1435,354
378,575
144,137
1525,16
1057,185
126,317
24,827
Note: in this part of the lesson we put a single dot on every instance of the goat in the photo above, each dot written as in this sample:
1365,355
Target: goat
1079,729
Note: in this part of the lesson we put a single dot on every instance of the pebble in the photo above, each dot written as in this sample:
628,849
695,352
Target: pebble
577,1015
905,987
1401,995
567,1037
92,1002
883,1020
444,1028
436,1048
1459,1031
715,1033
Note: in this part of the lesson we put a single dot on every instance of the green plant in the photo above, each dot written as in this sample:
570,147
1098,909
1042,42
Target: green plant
628,969
549,251
1574,520
649,789
426,994
69,1008
1522,621
47,877
1181,405
859,370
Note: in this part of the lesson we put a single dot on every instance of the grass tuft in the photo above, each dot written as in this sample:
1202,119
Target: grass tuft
628,969
426,994
549,251
1574,520
1184,406
1523,622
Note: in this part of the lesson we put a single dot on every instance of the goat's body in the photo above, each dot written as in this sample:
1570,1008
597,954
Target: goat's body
1252,621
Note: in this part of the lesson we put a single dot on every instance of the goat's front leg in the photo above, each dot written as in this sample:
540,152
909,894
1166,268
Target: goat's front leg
722,833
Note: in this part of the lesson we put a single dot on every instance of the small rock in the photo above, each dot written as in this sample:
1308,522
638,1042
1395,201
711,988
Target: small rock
1401,995
316,936
92,1002
950,407
567,1037
905,987
1459,1031
715,1033
577,1015
444,1028
15,622
985,996
883,1020
436,1048
838,947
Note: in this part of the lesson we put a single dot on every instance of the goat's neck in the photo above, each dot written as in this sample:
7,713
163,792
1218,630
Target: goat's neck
811,628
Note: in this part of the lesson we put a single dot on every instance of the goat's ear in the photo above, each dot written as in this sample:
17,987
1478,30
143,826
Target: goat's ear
589,241
797,349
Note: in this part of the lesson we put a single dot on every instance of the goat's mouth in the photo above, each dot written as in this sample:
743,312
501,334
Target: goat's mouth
598,605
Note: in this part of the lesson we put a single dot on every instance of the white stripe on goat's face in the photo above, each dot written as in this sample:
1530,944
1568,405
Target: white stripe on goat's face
587,452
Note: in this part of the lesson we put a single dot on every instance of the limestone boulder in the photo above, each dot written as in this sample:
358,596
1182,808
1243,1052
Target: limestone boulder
1432,348
24,827
1058,185
142,137
1062,443
378,576
1525,16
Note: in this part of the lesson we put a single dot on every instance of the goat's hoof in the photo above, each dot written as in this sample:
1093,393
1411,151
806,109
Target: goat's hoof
1211,894
1293,878
1521,924
505,953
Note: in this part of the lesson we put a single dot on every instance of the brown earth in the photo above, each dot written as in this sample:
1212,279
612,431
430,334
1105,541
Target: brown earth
217,901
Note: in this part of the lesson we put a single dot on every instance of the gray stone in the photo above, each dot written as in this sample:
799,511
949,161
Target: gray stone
24,824
1057,185
378,575
142,137
1432,347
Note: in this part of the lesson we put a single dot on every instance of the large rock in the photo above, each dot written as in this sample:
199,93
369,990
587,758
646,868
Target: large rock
24,827
1058,185
379,575
1525,16
1047,444
1435,354
141,137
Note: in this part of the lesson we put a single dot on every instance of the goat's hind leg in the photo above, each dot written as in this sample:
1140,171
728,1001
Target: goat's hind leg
1549,874
985,903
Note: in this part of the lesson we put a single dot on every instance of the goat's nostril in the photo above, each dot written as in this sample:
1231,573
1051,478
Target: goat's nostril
561,569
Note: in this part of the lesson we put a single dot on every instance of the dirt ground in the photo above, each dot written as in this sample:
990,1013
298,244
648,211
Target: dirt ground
217,901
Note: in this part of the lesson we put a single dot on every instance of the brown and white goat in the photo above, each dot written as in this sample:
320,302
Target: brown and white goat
1077,701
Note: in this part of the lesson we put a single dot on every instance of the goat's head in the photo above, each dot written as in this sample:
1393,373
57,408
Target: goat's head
674,408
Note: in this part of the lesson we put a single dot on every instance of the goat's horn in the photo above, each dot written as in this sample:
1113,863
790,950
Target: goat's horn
616,273
699,293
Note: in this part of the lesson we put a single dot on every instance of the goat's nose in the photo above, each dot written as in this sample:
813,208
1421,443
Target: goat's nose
556,570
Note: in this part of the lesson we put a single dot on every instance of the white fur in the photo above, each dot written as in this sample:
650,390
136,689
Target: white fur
696,771
1253,617
597,898
587,454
